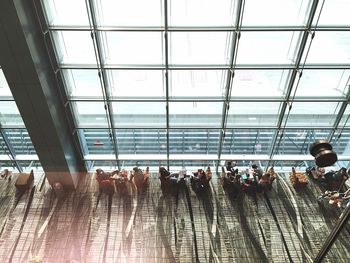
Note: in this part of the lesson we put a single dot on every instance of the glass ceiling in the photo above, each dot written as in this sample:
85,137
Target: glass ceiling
167,81
16,148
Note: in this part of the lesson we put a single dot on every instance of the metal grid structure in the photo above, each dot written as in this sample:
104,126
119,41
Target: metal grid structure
167,82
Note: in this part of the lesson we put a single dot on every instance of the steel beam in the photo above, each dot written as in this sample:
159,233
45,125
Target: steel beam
287,106
166,49
341,223
102,76
30,74
230,75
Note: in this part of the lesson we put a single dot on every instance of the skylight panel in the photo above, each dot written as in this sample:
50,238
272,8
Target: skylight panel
324,83
268,48
253,114
198,48
66,12
201,13
130,13
275,13
133,48
330,48
137,84
260,83
197,83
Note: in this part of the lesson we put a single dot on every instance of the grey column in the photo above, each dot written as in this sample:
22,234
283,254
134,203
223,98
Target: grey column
26,64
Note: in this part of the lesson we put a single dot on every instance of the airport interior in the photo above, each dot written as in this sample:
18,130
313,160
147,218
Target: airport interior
174,131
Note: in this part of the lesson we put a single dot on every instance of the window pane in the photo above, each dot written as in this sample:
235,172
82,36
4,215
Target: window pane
253,114
335,12
247,141
97,141
4,87
199,48
341,142
313,114
197,83
194,141
90,114
83,83
130,13
66,12
330,48
153,165
260,83
74,47
3,147
275,12
9,114
201,13
20,141
139,114
34,165
192,165
195,114
323,83
141,141
133,48
105,165
267,47
344,121
136,83
297,141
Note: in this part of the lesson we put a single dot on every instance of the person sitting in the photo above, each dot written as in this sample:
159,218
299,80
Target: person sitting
105,180
320,172
146,174
5,174
257,171
298,179
332,176
124,174
200,174
136,172
317,173
230,179
272,173
140,178
199,180
208,174
164,175
265,181
121,180
334,180
267,178
102,175
248,180
230,166
336,198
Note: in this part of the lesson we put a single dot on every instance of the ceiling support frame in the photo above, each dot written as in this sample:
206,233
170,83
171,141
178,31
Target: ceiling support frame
230,75
287,105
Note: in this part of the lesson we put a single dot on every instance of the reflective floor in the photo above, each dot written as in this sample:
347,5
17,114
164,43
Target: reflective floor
283,225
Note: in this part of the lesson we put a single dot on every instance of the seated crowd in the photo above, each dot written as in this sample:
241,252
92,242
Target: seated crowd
332,180
118,180
253,178
199,179
249,180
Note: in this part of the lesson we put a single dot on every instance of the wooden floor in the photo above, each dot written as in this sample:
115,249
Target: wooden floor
280,226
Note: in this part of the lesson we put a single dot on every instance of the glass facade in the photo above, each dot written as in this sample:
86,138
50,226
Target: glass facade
165,79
